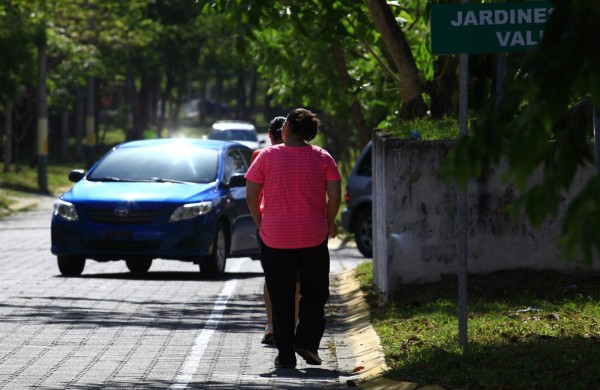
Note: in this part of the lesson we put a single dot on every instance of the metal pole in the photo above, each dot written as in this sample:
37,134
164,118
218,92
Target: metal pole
42,120
596,121
462,207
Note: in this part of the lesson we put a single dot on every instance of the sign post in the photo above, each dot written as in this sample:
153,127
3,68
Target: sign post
480,28
462,207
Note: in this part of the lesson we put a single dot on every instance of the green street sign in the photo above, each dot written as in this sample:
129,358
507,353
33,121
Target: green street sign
488,27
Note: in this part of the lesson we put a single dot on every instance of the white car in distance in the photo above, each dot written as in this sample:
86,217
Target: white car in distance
236,131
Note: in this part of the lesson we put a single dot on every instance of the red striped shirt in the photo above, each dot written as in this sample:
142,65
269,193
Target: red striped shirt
295,201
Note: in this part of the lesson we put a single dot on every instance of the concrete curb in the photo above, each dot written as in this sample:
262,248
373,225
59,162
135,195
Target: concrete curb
369,357
19,205
25,201
355,312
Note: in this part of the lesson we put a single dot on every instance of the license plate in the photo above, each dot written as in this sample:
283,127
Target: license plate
121,235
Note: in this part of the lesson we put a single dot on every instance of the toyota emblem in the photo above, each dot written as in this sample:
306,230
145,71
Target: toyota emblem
121,211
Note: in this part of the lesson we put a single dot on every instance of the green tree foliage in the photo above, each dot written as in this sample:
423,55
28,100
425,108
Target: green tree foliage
322,55
325,55
544,123
21,31
160,42
16,45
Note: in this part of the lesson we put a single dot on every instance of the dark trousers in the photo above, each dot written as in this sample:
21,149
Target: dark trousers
282,267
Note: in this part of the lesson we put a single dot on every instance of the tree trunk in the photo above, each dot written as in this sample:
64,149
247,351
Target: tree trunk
143,100
154,96
79,124
411,89
252,93
363,132
202,102
90,123
444,87
8,135
175,108
166,97
132,121
64,136
42,121
23,119
218,99
240,96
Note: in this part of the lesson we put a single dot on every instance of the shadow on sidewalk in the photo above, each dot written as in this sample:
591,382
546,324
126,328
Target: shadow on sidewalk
305,373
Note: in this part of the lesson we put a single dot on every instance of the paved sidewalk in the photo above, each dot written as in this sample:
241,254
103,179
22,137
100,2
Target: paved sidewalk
350,348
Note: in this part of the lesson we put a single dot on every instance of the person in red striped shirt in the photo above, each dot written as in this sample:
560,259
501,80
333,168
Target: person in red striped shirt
301,188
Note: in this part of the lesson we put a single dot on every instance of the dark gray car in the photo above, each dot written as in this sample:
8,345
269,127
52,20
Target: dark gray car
357,217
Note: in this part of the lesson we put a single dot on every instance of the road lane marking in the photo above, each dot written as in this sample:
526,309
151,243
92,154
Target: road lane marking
192,361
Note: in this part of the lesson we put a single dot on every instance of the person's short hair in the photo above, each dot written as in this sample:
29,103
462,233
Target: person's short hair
275,127
304,123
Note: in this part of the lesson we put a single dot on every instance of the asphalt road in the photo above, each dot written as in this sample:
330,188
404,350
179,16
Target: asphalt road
169,329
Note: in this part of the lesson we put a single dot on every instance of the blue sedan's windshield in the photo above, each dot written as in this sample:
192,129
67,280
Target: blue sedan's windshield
158,164
233,135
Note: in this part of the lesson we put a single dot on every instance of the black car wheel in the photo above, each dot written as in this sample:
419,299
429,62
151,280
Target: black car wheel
214,265
138,266
70,265
363,233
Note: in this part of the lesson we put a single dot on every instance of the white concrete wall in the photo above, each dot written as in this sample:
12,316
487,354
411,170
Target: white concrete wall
415,221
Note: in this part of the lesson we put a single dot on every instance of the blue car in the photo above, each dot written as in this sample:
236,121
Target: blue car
178,199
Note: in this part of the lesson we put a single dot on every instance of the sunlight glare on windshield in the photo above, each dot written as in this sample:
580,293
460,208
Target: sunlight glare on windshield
185,152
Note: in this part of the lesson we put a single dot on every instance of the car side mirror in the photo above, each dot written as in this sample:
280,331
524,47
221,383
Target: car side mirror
76,174
237,180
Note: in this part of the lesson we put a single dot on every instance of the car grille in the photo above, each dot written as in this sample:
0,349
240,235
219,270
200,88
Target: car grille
120,246
134,216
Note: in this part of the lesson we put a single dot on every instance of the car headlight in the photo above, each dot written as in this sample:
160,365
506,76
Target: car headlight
191,210
65,210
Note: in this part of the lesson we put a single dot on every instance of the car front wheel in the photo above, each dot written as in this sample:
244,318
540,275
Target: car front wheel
214,265
70,265
363,233
138,266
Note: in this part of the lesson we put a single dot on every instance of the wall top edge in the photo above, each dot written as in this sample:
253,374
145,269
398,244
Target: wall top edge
380,137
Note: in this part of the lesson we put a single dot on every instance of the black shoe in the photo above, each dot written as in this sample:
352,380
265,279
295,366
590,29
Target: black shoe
310,357
280,363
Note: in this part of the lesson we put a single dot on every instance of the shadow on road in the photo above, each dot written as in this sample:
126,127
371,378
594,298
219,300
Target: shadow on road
166,275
